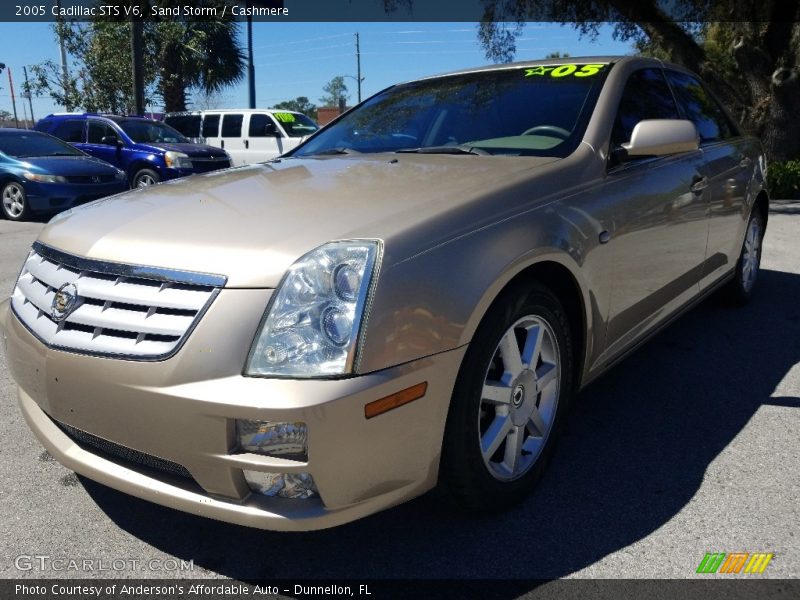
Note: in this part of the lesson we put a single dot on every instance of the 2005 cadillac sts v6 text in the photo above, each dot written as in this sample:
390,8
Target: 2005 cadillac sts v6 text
410,297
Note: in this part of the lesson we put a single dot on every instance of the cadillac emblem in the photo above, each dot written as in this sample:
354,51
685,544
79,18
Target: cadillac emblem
64,302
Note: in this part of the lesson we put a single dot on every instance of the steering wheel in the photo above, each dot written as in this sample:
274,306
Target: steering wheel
552,130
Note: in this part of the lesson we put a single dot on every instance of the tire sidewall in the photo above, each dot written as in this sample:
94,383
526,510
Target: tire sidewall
25,211
463,468
140,172
741,292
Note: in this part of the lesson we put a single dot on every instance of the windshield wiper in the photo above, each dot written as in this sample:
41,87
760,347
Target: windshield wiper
445,150
62,154
340,150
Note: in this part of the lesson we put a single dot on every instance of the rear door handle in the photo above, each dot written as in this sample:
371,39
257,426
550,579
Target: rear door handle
247,144
698,184
746,163
222,143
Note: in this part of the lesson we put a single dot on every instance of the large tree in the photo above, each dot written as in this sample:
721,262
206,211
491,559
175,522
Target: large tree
300,104
335,92
747,50
180,57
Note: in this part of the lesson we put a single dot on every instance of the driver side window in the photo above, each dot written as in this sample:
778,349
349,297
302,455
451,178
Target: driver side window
646,96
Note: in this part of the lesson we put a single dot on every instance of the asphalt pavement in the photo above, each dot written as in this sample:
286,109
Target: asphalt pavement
688,446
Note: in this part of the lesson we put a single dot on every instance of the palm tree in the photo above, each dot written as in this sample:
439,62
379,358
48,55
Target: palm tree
196,54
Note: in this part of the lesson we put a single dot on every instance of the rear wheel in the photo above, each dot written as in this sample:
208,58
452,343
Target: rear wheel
145,178
740,289
14,201
508,401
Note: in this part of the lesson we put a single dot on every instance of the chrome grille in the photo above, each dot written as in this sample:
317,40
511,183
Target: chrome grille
125,311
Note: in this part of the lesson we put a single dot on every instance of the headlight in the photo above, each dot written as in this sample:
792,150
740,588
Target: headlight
177,160
39,178
312,325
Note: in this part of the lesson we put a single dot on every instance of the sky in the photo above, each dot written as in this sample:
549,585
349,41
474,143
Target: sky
298,59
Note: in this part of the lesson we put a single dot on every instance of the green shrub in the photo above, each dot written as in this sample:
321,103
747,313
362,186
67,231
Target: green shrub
784,179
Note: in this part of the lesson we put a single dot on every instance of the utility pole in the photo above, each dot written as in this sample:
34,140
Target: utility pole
13,100
359,79
251,70
64,67
137,51
28,90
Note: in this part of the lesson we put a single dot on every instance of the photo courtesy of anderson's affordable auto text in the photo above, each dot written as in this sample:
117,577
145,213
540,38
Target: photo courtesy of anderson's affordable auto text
381,300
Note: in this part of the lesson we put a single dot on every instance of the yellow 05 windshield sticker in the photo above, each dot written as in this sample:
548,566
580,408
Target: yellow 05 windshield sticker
565,71
284,117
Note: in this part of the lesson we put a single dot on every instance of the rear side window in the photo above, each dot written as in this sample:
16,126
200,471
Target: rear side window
701,108
211,126
70,131
259,123
98,130
188,125
232,125
646,96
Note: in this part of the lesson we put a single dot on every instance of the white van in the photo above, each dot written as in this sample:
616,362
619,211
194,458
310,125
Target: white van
248,135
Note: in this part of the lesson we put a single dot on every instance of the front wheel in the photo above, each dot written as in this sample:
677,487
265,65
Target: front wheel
14,201
740,289
145,178
509,400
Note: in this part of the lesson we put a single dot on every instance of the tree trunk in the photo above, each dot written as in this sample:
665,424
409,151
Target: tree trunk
174,93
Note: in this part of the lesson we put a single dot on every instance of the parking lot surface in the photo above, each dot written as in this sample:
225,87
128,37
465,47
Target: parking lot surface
689,446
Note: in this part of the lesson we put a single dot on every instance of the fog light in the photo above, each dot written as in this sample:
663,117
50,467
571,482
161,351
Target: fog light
275,439
284,485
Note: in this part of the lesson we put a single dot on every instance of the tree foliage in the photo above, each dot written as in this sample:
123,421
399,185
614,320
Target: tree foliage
300,104
179,57
335,91
748,51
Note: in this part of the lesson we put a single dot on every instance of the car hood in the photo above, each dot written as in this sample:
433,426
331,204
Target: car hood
67,165
197,150
251,223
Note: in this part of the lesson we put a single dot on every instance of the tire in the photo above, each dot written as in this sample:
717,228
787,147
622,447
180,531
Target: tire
145,178
14,202
740,289
485,471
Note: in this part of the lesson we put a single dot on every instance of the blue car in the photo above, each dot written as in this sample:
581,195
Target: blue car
39,172
148,151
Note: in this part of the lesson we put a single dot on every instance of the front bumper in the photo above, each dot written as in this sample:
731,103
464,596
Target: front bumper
183,409
60,196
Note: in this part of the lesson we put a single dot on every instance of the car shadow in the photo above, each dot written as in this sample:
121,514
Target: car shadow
635,450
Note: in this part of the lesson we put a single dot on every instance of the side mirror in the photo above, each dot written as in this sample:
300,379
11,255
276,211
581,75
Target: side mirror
110,140
271,131
660,137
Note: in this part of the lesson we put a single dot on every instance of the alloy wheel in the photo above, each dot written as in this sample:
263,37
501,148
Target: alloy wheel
14,200
519,398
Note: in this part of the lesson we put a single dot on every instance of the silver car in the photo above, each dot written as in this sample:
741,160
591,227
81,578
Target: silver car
410,298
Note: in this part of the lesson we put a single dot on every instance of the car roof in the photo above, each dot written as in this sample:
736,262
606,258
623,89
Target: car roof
230,110
110,117
11,131
568,60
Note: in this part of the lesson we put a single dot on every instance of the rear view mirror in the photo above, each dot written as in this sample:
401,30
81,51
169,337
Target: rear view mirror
660,137
270,130
109,140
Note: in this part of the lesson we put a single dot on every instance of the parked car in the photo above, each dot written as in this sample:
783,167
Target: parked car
148,151
248,135
40,173
412,296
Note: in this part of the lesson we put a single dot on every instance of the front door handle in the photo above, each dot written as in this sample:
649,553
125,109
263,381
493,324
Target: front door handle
604,237
698,184
247,144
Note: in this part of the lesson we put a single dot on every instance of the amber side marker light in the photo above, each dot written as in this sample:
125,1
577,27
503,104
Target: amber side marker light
378,407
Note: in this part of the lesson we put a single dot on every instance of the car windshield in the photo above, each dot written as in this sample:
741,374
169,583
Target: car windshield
148,132
296,124
29,144
514,111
